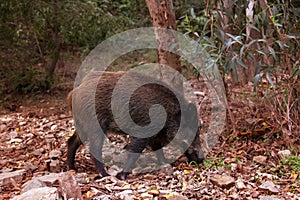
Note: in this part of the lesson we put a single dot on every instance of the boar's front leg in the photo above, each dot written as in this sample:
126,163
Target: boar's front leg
135,148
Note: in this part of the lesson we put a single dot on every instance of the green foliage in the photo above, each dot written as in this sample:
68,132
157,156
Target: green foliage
214,162
81,23
232,48
87,23
22,82
194,163
290,164
27,32
188,7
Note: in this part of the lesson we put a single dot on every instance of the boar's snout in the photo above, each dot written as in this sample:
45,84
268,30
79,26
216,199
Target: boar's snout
195,154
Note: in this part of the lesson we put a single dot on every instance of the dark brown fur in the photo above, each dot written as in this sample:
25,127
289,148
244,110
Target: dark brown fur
140,102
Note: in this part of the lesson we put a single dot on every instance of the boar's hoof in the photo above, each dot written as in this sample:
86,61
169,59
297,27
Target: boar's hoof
122,175
103,174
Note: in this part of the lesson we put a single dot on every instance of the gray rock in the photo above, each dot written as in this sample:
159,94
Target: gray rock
69,187
62,116
49,138
81,178
49,179
166,169
269,185
268,198
284,153
125,195
30,167
260,159
222,181
49,193
5,177
54,166
114,170
54,154
32,184
240,185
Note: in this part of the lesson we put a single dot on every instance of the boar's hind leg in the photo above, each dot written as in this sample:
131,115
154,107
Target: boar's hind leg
73,143
96,149
135,148
156,145
161,159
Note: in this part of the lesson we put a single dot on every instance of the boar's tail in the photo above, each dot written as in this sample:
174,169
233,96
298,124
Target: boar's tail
69,100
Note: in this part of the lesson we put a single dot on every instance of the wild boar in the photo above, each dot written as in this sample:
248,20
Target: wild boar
97,92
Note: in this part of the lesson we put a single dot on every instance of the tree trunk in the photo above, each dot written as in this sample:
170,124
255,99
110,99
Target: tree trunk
56,51
163,16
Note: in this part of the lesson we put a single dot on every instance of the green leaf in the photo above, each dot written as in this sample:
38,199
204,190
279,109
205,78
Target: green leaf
269,79
250,43
280,44
240,62
210,64
296,70
262,40
246,46
238,38
254,27
209,45
193,13
256,79
261,52
272,51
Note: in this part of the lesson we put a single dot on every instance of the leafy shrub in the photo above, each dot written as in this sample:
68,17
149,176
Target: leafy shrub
27,33
231,48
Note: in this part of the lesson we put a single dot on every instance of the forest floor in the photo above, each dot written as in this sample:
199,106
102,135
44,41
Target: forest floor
248,163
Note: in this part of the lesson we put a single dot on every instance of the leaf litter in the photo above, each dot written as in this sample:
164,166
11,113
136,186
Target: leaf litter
247,166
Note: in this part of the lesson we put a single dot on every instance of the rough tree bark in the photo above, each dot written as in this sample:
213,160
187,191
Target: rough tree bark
56,43
163,16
